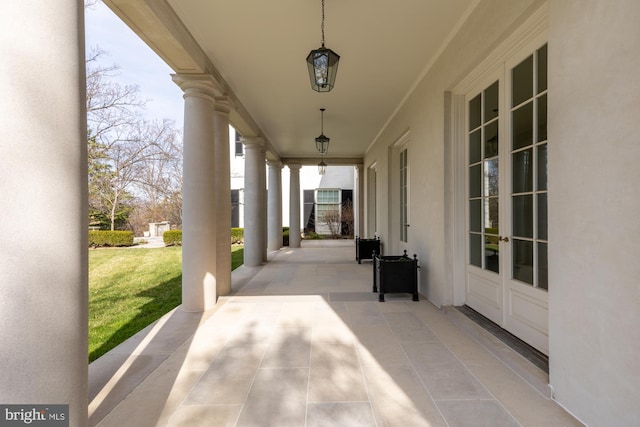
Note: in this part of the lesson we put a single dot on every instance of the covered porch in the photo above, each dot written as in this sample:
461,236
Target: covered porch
303,341
430,98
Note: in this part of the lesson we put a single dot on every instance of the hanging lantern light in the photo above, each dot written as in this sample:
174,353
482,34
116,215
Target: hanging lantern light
323,65
322,142
322,167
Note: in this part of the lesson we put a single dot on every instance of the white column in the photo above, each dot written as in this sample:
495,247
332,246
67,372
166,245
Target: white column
279,213
253,196
198,194
221,110
358,202
294,206
43,180
263,205
274,206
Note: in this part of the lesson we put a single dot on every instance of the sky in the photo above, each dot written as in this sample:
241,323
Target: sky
138,64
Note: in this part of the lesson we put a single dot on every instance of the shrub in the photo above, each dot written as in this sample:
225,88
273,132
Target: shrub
285,236
312,235
172,238
237,235
101,238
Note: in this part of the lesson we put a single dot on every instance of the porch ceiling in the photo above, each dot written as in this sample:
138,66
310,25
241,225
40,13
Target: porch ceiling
257,50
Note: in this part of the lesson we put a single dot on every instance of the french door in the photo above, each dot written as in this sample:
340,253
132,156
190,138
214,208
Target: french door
506,198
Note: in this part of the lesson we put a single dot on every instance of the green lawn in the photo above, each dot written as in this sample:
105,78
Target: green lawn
130,288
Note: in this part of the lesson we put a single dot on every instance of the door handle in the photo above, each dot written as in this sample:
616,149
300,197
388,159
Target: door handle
503,239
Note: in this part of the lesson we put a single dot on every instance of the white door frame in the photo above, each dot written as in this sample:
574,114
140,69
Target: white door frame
519,43
396,245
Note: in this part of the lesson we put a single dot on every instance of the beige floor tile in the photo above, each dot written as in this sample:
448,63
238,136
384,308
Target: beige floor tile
335,374
333,332
205,416
444,376
304,334
476,413
119,376
382,353
154,401
228,379
472,352
199,352
352,414
399,399
297,315
278,397
527,405
288,348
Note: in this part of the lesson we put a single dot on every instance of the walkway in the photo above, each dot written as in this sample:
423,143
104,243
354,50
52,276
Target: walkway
304,342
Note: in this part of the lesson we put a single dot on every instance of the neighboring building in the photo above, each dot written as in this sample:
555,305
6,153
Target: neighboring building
237,178
324,197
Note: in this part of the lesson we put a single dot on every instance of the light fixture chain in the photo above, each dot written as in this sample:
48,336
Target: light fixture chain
322,25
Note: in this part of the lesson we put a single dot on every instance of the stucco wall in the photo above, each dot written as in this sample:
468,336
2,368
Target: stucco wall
594,209
423,116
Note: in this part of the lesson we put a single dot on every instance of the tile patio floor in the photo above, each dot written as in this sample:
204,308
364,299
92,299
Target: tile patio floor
304,342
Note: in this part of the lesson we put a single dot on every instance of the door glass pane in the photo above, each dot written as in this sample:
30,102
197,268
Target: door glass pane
491,253
491,102
522,126
483,178
475,181
492,224
403,196
475,147
523,261
523,216
475,249
542,167
522,171
475,215
542,69
475,112
522,82
491,140
542,118
491,177
543,269
542,216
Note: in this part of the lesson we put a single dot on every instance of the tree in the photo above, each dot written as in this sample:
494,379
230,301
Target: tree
129,156
331,217
347,218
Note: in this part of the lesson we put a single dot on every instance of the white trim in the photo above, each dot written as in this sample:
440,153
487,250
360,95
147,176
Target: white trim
535,26
402,140
526,39
425,71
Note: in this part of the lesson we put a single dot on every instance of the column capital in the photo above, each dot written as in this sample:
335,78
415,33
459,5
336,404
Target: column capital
276,164
223,105
202,85
254,142
294,166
